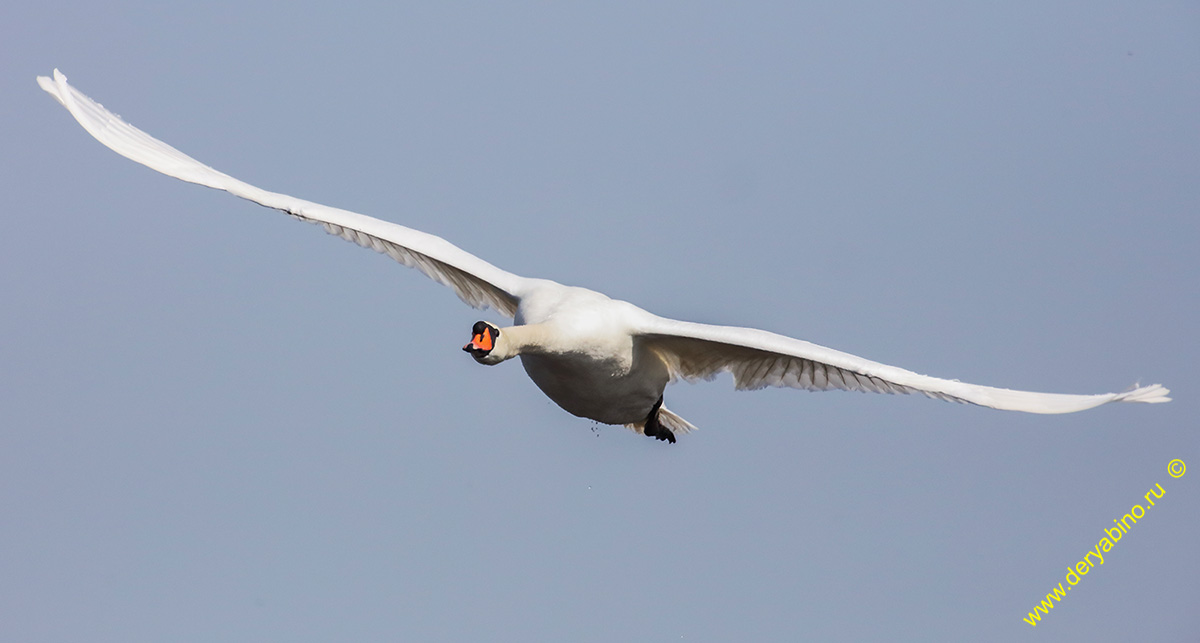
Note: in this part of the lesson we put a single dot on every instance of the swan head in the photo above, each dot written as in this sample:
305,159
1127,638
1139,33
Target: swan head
485,339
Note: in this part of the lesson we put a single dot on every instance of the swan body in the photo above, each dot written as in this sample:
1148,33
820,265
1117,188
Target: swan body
596,357
579,347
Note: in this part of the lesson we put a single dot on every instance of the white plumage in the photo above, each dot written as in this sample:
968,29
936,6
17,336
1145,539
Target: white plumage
596,357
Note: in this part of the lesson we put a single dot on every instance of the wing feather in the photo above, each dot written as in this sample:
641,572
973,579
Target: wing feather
475,281
758,359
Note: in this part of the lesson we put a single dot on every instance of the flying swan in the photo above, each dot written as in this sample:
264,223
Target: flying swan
596,357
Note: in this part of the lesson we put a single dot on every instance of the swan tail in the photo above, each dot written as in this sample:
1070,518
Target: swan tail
668,420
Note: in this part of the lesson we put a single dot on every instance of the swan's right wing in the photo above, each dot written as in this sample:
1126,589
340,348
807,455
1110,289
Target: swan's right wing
474,280
758,359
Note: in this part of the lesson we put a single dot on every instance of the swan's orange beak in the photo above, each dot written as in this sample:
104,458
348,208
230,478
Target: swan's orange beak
482,341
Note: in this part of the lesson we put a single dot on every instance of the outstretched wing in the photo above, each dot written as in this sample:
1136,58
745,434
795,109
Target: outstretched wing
474,280
758,359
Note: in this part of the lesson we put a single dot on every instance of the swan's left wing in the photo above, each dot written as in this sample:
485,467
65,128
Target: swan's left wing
474,280
758,359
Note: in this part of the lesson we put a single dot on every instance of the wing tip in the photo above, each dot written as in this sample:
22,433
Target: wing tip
1153,394
50,85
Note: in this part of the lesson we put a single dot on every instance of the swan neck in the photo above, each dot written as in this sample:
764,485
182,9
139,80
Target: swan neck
516,340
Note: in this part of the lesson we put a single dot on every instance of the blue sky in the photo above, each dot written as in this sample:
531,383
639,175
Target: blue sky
221,424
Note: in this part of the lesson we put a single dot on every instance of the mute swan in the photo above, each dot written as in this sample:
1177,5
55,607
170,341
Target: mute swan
596,357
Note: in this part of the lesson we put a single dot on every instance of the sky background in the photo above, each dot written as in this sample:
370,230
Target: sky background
217,423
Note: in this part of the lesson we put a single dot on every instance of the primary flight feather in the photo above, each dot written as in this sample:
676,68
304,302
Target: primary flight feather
596,357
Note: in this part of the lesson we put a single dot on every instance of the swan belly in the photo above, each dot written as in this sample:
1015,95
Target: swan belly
607,390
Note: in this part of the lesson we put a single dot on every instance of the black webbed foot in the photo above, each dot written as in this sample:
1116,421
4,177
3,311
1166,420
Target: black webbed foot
655,430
